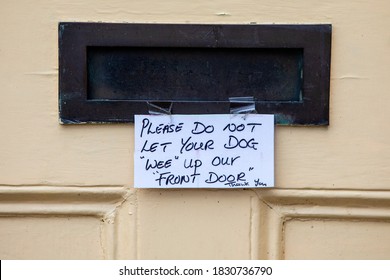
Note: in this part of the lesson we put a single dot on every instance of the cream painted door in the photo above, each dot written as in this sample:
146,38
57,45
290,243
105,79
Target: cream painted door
66,192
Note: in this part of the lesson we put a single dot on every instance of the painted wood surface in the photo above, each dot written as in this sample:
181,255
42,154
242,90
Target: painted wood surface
329,180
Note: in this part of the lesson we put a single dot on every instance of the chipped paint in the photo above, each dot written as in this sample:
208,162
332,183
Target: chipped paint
223,14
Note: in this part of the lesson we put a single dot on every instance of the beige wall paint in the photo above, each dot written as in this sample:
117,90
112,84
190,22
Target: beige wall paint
353,153
32,237
340,239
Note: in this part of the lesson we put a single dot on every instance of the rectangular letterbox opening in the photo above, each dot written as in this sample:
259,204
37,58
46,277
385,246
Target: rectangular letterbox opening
191,74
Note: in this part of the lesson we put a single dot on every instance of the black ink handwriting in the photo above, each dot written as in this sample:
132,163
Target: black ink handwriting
159,164
214,178
201,128
147,126
232,127
167,178
258,183
253,125
153,147
188,146
234,142
224,161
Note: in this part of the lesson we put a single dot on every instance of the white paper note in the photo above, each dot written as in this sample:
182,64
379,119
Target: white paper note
204,151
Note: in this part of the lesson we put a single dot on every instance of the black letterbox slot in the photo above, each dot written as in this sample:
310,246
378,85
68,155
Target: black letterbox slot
108,72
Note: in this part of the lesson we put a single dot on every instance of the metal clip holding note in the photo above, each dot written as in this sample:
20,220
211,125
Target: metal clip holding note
159,108
242,105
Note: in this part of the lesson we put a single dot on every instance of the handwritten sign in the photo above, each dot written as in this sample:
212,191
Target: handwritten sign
204,151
